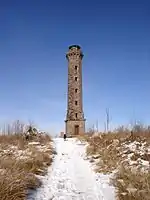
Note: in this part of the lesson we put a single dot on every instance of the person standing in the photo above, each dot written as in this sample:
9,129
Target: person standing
65,136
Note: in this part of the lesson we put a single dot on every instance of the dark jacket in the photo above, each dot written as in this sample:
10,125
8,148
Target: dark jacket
65,136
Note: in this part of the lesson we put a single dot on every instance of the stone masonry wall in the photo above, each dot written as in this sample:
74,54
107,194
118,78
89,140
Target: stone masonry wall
75,115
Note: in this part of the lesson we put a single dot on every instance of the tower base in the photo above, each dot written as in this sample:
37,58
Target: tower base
74,128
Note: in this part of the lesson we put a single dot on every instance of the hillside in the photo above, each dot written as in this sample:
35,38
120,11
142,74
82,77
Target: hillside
126,155
22,159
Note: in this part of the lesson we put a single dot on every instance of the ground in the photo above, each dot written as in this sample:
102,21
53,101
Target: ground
72,177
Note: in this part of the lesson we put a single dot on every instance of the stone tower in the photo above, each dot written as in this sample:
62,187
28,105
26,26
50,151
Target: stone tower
75,122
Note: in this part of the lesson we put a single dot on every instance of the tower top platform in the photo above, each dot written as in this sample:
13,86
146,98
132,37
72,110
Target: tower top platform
76,46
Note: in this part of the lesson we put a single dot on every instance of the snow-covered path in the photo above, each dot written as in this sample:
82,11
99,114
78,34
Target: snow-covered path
71,177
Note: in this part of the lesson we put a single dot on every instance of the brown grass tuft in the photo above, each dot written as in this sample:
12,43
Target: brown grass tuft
14,184
126,148
20,161
132,185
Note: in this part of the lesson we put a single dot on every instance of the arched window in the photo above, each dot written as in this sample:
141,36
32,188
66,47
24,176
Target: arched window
76,67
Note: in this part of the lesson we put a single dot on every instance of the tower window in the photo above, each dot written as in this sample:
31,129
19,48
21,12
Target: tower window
76,78
76,67
76,115
76,103
76,90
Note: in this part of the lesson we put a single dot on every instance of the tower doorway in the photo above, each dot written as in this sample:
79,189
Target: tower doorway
76,130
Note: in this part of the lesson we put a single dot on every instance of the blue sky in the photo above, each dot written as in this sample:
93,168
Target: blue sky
115,38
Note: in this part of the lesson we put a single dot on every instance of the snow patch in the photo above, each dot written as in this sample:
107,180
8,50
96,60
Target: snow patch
26,153
72,178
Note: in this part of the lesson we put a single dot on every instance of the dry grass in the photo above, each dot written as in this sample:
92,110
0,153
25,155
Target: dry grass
126,148
132,185
109,154
20,162
14,184
110,147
